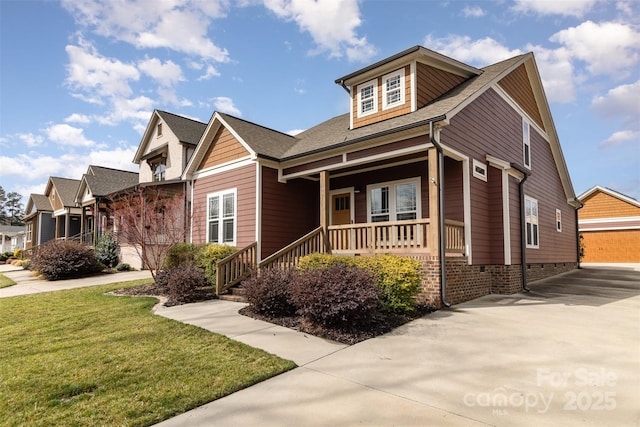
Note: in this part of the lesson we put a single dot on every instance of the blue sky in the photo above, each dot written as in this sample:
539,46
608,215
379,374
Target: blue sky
79,79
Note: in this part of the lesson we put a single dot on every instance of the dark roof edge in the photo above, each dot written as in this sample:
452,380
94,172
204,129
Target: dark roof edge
379,63
364,138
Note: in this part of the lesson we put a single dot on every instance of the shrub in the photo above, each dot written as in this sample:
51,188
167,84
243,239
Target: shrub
182,254
183,283
107,250
65,259
5,256
162,280
398,280
335,296
207,258
18,252
124,267
269,292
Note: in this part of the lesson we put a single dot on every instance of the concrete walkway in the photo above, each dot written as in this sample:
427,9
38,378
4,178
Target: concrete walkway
567,353
26,283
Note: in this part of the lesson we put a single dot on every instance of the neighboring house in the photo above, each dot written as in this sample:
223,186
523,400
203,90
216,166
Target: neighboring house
61,193
93,198
609,223
12,237
436,160
40,225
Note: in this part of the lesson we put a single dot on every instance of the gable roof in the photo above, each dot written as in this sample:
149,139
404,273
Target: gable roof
66,188
40,201
102,181
188,131
609,192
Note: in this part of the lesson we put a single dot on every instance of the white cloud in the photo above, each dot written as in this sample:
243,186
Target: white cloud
294,132
558,7
97,75
134,109
473,12
608,48
178,25
479,52
68,135
225,105
331,23
166,74
620,102
30,139
620,138
210,72
556,72
78,118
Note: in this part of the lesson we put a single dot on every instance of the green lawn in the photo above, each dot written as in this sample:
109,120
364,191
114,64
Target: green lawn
5,281
80,357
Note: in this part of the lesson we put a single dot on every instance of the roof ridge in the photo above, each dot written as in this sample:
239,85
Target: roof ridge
179,116
256,124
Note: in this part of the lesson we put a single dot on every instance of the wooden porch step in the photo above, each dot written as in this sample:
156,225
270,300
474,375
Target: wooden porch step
237,294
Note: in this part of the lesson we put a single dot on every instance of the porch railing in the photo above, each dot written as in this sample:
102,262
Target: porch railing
288,257
379,237
454,236
236,267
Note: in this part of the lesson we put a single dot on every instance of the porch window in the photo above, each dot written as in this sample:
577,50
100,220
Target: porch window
159,169
393,89
531,220
394,201
526,143
221,217
367,98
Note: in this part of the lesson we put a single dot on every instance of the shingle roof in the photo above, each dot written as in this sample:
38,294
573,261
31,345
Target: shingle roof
187,130
103,181
262,140
41,202
67,189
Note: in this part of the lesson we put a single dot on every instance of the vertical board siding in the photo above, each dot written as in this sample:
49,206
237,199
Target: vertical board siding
224,148
244,180
432,82
601,205
289,211
517,85
453,190
490,126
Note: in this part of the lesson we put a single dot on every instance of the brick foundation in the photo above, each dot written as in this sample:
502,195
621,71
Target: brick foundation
466,282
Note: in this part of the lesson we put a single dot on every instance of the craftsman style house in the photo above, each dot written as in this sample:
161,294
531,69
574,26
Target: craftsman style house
93,198
40,226
609,223
457,166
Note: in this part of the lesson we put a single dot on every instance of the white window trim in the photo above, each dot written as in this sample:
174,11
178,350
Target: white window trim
528,199
392,196
220,194
558,220
373,83
385,105
526,143
483,167
28,231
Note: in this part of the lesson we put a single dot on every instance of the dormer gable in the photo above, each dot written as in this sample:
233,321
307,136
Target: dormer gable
401,84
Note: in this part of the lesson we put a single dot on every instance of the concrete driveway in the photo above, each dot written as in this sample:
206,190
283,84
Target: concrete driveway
567,353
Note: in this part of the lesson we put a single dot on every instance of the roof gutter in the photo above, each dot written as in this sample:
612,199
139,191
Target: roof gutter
441,244
523,225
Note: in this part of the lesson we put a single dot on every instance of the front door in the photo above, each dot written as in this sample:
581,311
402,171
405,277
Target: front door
340,208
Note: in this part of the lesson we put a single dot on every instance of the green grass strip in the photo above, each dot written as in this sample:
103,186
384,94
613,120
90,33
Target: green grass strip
80,357
5,282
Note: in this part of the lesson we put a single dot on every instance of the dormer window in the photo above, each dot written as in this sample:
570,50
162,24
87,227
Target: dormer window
367,98
393,86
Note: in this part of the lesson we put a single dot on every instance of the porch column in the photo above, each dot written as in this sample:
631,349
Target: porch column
66,225
82,219
433,236
324,202
57,233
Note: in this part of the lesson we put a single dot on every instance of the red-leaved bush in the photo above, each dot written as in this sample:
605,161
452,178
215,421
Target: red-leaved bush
269,292
65,259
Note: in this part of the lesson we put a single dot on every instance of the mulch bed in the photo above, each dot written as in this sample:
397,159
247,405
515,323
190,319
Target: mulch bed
382,322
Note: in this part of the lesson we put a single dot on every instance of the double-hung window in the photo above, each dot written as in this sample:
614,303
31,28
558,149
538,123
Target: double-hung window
221,217
368,98
393,86
526,143
394,201
531,221
159,170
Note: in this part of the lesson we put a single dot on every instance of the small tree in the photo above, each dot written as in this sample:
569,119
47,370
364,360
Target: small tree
107,250
152,221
